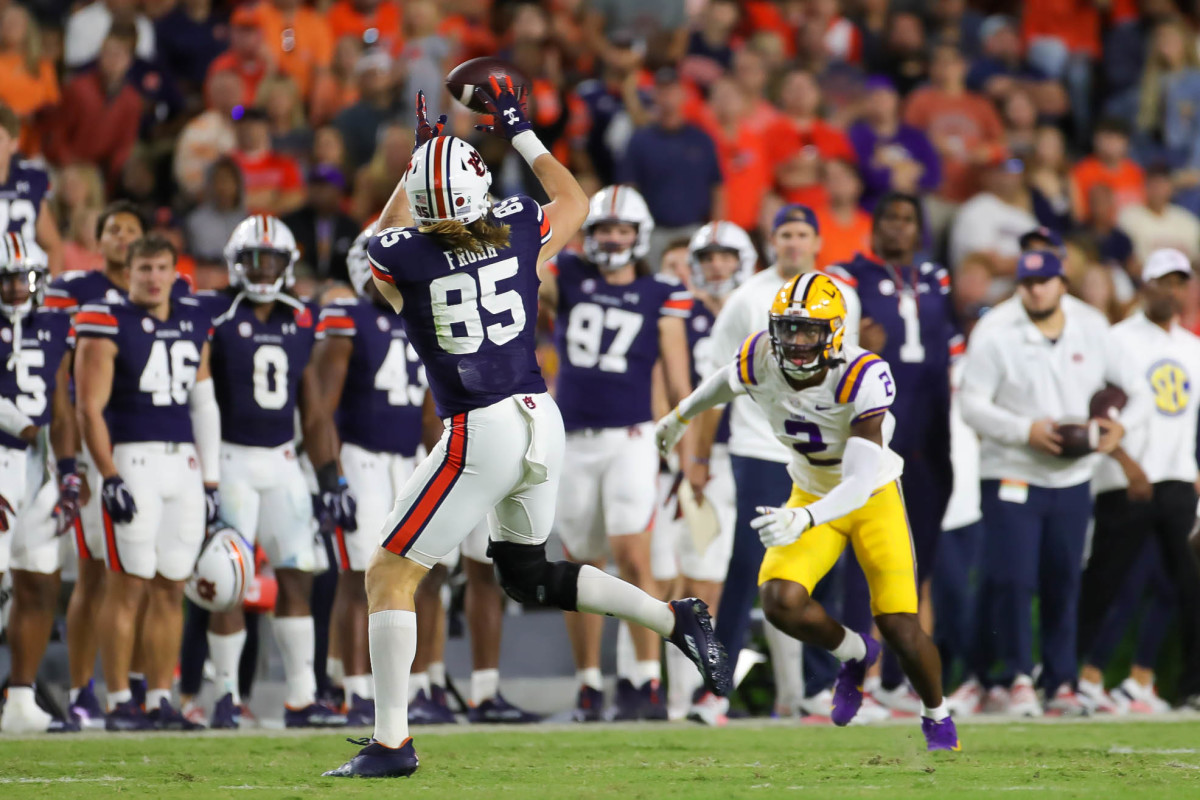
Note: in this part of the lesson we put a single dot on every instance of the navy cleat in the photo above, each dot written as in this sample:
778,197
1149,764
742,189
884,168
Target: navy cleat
628,702
589,705
378,761
127,716
137,688
168,718
226,714
87,708
497,710
68,725
694,635
361,712
652,705
313,715
425,710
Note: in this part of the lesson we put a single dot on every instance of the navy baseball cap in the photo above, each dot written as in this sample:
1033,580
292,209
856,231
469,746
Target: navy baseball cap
1045,234
796,213
1039,264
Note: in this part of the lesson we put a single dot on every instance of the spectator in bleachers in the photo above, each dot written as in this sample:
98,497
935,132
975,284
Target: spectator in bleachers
79,186
1099,228
28,82
1020,118
375,182
904,56
1000,69
375,23
209,225
953,22
323,232
840,39
894,156
80,249
247,54
300,41
280,98
273,182
210,134
468,24
1108,165
710,50
93,122
338,88
845,227
674,164
87,29
742,152
426,55
1047,173
1160,223
750,73
990,223
963,126
607,108
800,140
1167,125
661,24
359,123
328,149
190,37
1061,39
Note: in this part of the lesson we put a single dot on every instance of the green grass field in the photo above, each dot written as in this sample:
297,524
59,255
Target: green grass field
1087,759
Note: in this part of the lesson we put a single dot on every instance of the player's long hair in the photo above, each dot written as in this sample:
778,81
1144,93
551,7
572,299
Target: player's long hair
474,237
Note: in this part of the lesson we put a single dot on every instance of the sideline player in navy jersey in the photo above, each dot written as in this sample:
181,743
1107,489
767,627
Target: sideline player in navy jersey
463,276
25,194
119,225
34,376
911,303
615,320
149,417
261,346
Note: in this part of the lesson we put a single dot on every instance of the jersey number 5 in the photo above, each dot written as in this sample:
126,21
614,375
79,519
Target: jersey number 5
456,299
170,374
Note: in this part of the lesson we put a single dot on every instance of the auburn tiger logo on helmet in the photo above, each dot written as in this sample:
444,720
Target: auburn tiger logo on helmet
808,324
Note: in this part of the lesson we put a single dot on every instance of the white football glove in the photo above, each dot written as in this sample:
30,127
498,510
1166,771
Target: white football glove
781,526
668,431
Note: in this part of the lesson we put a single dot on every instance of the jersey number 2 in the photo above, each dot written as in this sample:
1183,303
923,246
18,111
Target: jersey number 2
456,299
168,378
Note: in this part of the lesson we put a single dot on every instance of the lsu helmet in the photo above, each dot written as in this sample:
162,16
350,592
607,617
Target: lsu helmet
807,325
261,256
19,257
622,204
725,237
357,263
224,570
446,180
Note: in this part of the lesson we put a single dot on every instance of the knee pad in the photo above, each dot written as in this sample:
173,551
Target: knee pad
527,577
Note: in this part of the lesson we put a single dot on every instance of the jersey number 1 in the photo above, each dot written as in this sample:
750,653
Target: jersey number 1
456,299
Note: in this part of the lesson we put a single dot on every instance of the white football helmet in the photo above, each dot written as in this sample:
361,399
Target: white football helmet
21,257
718,236
617,204
447,179
261,243
224,571
357,263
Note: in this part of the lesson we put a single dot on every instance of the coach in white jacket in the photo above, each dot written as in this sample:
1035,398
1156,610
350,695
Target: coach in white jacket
1033,362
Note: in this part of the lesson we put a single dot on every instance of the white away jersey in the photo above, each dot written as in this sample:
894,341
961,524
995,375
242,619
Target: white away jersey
814,423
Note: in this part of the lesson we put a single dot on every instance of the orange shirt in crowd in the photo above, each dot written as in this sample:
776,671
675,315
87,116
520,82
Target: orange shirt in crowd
329,97
268,171
299,45
251,72
764,15
747,170
815,142
1127,181
473,38
25,93
840,242
958,125
1075,22
344,20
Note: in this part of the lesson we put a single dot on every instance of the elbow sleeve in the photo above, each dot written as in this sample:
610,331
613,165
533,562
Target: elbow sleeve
206,429
860,472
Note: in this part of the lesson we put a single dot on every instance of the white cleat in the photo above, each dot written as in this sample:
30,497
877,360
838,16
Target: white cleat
1065,703
871,711
1023,700
23,718
818,707
1142,699
901,700
710,710
967,699
1098,701
996,701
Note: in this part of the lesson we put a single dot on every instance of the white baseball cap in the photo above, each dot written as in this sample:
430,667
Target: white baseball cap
1163,262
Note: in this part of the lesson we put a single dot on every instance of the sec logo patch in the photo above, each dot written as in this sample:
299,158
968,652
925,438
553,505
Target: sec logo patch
147,326
245,329
384,325
6,335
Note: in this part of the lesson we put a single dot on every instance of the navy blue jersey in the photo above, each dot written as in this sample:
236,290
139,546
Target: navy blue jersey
914,306
28,374
21,198
380,409
256,369
699,328
470,317
155,367
607,341
73,289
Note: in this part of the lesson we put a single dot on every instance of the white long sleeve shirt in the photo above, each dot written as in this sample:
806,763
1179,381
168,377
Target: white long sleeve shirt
1016,375
1168,366
744,313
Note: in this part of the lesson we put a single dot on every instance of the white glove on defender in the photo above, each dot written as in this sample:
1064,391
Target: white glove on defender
781,526
668,431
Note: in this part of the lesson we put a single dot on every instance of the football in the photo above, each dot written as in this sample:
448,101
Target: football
1107,403
1078,438
463,79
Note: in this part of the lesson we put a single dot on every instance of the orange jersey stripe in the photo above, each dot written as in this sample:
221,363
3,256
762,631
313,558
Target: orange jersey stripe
54,301
682,305
383,276
435,491
95,318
